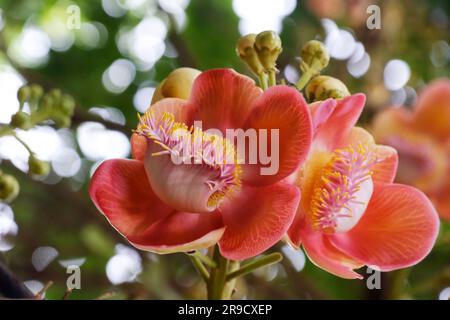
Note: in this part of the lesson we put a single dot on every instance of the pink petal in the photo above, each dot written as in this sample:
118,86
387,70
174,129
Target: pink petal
120,190
257,219
386,168
323,254
138,146
222,98
333,128
177,107
281,111
398,229
183,187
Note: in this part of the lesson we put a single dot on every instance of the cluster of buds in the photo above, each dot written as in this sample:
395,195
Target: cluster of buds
314,57
53,105
260,52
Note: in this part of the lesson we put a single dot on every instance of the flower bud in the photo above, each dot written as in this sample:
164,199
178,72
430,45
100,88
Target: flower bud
246,51
178,84
38,167
268,47
62,120
67,105
9,188
324,87
36,92
56,94
315,55
23,94
47,102
21,120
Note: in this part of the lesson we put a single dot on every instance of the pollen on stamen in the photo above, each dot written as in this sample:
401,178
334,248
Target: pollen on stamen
335,196
194,146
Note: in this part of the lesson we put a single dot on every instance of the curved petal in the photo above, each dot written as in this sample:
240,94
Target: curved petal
432,111
322,253
257,219
385,169
387,158
332,132
320,112
175,106
398,229
282,125
222,98
178,107
183,187
120,190
138,146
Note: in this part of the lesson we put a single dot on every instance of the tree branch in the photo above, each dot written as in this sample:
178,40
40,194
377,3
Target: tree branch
11,286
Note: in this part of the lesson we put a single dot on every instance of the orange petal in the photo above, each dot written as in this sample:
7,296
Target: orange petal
120,190
398,229
222,98
432,111
283,112
335,126
257,219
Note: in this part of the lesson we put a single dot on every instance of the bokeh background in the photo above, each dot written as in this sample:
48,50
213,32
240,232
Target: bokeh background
112,64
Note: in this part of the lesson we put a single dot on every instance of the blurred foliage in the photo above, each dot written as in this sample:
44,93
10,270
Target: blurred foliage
63,216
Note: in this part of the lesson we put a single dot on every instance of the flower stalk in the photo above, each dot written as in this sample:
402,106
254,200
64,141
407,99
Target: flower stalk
221,279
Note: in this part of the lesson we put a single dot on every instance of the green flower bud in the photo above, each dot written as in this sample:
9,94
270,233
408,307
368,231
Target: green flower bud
324,87
246,51
21,120
36,92
47,102
9,188
67,105
62,120
268,47
56,94
38,167
315,55
23,94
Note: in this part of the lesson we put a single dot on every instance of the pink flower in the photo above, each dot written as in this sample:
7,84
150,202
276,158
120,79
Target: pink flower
351,213
164,207
422,138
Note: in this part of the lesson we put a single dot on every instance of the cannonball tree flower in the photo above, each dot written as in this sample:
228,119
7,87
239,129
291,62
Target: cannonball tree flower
351,213
421,136
164,206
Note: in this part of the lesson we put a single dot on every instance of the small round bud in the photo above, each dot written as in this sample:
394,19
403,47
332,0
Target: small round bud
324,87
21,120
315,55
38,167
36,92
67,105
246,51
23,94
56,94
47,102
9,188
62,120
178,84
268,47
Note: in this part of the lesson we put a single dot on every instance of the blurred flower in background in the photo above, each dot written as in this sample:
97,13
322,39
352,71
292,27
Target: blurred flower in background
421,136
